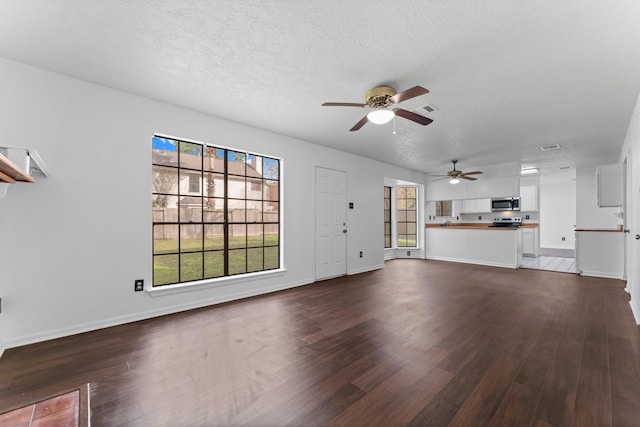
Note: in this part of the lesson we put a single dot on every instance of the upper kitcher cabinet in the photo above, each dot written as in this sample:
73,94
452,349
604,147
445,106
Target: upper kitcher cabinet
443,190
499,180
483,188
529,198
609,180
494,187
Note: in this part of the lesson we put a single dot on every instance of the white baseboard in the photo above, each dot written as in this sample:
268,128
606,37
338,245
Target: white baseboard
366,269
601,274
121,320
467,261
2,348
636,311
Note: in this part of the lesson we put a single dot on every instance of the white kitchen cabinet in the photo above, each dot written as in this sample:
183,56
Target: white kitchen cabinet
476,206
456,207
529,198
610,184
530,242
469,205
481,189
484,205
493,187
443,190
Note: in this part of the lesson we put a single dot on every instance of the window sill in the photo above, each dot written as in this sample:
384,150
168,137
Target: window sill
213,283
404,248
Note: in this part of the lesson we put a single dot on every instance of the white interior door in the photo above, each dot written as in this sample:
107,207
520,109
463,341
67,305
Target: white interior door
331,223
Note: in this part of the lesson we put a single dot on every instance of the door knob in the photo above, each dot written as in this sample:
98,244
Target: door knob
344,231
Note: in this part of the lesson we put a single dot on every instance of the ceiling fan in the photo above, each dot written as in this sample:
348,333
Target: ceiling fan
380,99
455,175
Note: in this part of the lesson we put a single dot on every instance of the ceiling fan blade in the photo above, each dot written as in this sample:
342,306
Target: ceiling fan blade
440,179
358,125
472,173
440,175
408,94
470,178
343,104
412,116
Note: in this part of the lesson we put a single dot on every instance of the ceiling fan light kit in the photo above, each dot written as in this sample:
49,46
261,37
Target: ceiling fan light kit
380,98
454,181
381,116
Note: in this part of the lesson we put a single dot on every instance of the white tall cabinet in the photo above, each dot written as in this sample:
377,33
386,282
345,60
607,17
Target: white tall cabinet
529,198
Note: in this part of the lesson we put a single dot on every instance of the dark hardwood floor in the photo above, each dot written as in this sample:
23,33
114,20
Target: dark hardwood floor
419,343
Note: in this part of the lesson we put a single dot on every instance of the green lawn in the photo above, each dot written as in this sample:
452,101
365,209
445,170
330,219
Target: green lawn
194,264
409,242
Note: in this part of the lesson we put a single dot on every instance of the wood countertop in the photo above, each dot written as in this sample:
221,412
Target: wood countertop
478,225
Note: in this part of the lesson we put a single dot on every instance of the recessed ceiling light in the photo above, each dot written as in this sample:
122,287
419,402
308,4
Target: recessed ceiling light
529,171
550,147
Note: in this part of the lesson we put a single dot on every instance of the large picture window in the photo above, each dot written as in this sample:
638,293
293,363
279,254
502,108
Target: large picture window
406,217
216,212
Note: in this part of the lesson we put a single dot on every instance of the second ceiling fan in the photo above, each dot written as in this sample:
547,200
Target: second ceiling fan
457,175
380,99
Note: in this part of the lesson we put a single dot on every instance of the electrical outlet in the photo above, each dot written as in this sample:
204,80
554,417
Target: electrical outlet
360,254
408,253
139,285
563,239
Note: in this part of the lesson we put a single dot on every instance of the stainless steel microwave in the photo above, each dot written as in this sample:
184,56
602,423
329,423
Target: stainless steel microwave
505,204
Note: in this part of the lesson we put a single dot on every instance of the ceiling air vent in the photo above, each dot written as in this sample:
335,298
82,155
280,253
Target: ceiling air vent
430,108
550,147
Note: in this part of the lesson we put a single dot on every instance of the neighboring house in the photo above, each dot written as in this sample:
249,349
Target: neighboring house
199,189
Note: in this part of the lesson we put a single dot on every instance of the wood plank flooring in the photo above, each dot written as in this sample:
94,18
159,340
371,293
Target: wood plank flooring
419,343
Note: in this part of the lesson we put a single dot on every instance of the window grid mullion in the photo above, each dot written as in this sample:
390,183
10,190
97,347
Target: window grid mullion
187,202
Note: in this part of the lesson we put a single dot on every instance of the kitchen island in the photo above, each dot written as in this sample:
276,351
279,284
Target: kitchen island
475,243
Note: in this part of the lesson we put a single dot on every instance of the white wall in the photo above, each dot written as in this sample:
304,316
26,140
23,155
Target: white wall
557,215
588,214
631,151
72,244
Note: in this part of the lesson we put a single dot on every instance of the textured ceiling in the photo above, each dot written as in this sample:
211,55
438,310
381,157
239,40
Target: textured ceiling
505,76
